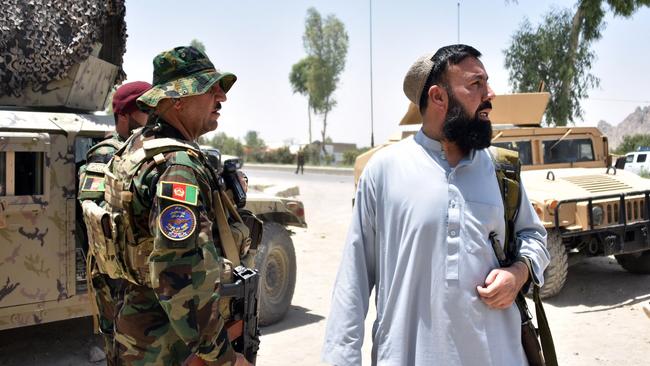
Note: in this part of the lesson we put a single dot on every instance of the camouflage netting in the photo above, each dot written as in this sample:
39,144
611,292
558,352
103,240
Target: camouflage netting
40,40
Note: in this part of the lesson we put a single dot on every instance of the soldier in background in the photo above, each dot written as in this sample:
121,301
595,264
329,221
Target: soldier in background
127,118
300,159
161,188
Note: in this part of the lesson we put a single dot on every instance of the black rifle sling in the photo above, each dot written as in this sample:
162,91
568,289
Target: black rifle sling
508,168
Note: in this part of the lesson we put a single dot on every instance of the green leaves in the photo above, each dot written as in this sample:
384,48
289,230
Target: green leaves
543,53
317,75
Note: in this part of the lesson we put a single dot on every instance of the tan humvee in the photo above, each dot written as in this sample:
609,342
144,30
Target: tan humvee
45,132
588,207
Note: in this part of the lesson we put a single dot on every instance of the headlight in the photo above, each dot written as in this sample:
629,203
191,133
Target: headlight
597,215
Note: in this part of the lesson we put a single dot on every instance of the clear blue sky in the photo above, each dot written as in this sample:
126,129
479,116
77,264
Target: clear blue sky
260,40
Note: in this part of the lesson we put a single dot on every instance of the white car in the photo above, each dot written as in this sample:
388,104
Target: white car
638,161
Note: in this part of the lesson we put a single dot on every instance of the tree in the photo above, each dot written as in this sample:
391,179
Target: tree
298,77
586,27
632,142
540,54
226,144
198,45
326,44
254,146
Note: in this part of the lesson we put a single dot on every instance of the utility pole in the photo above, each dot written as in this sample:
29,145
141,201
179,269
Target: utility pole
458,22
372,122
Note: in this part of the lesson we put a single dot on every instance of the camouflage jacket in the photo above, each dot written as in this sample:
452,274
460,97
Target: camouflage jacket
178,255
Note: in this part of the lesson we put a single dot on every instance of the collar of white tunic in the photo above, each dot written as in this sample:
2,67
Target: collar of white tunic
434,148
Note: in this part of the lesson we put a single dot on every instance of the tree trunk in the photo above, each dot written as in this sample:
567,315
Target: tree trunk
564,99
323,132
309,115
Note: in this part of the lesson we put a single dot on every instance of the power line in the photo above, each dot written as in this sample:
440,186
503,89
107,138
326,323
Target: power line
620,100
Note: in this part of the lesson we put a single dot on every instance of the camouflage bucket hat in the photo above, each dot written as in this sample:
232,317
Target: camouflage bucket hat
183,72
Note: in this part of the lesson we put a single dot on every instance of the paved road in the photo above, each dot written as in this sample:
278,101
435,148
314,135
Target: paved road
596,320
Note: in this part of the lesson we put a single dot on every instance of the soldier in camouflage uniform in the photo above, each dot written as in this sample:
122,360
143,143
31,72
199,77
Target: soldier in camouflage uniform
159,194
127,118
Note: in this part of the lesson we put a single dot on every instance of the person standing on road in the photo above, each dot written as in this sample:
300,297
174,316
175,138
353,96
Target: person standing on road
127,118
159,194
419,237
300,160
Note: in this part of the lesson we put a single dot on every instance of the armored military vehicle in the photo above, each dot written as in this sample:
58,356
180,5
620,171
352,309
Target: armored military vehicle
56,72
588,207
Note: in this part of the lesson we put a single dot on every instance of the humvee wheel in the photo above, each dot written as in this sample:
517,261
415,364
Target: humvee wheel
635,262
276,261
556,272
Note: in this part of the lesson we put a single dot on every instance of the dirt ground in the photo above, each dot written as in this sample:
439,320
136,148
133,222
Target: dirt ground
596,320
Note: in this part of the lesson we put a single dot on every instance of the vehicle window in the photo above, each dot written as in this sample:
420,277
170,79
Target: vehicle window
3,173
523,147
28,173
641,158
629,158
567,151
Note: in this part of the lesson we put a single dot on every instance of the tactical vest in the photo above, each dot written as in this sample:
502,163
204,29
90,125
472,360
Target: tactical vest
112,238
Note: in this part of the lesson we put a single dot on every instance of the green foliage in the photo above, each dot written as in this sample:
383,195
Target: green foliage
326,44
254,147
351,155
226,145
312,154
632,142
541,54
198,45
279,156
299,76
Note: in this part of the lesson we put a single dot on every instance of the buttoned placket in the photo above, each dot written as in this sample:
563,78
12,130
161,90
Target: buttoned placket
454,219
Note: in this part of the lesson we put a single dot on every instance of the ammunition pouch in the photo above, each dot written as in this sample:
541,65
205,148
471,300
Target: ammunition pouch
103,238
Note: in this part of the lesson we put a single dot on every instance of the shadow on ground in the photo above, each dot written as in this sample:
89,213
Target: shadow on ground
603,283
297,316
59,343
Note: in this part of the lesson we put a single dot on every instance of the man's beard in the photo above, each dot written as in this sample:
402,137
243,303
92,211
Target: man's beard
467,132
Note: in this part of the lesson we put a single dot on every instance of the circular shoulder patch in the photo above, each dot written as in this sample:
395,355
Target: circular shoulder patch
177,222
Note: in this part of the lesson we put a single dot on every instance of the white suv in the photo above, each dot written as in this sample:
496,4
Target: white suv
639,161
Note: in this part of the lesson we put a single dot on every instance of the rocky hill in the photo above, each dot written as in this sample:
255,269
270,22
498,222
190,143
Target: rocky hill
637,122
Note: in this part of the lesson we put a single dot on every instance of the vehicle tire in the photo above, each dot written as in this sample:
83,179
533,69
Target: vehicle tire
556,273
635,262
276,261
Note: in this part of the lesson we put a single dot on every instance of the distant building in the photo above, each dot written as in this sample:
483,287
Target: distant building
336,149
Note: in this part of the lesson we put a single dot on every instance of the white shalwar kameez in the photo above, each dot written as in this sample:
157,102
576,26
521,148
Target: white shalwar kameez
419,237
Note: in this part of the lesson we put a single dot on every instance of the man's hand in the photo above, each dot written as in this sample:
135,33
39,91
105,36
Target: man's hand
502,285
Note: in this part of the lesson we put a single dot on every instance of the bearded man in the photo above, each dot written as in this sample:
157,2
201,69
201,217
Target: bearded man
424,211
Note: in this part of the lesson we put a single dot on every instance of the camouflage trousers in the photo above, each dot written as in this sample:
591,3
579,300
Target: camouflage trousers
106,290
143,334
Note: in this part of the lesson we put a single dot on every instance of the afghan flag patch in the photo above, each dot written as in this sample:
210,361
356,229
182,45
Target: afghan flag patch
93,183
179,192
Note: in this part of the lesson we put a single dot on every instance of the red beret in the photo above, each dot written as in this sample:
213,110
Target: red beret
126,95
